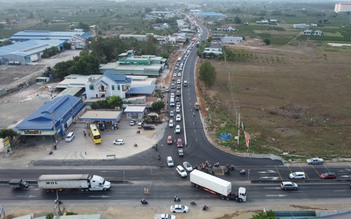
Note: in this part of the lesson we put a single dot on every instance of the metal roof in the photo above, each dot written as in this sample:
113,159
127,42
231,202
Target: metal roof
45,35
117,78
101,115
145,90
29,47
135,109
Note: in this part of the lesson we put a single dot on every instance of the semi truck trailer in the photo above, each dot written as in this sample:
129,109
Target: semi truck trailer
216,186
83,182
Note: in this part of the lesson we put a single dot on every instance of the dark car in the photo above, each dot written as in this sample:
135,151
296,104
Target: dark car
148,127
180,152
328,175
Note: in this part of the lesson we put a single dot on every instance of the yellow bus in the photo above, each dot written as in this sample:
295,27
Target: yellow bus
95,134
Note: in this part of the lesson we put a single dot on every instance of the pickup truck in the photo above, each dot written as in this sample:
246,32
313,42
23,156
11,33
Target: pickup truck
164,216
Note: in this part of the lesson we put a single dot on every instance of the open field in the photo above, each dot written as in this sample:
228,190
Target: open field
291,99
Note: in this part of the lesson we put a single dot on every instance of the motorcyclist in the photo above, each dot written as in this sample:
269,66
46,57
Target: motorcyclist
193,202
205,208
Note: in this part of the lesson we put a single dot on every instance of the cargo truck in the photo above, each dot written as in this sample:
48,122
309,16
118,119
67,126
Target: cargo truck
216,186
83,182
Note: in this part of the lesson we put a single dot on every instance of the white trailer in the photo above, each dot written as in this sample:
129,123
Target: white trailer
84,182
216,185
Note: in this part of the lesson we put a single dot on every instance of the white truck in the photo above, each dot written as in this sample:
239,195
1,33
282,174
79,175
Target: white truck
83,182
216,186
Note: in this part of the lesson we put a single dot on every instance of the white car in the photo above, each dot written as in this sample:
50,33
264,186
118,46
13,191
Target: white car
70,136
118,141
131,123
297,175
315,160
164,216
171,123
187,166
177,129
177,109
170,162
178,81
179,208
181,171
171,113
178,118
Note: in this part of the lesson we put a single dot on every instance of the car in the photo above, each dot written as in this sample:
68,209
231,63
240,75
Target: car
174,78
179,143
171,104
167,90
179,209
118,141
287,185
187,166
164,216
178,104
140,124
179,86
178,81
174,74
179,74
181,171
315,160
148,127
70,136
171,123
171,113
178,118
177,99
172,86
172,95
177,129
180,152
178,93
177,109
328,175
297,175
185,83
170,162
131,122
169,139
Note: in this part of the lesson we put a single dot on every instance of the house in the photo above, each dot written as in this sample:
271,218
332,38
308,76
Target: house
301,26
77,42
342,7
307,32
212,51
226,28
317,33
107,85
262,22
312,33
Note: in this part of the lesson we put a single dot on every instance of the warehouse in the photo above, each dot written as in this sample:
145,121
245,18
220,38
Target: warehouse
29,51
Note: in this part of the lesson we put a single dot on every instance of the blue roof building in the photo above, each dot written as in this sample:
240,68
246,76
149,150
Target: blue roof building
142,90
25,52
211,14
46,35
53,118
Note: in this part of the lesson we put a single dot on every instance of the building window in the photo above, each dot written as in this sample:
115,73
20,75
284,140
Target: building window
91,87
113,87
118,87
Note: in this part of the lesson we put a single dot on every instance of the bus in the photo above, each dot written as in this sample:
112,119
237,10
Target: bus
95,134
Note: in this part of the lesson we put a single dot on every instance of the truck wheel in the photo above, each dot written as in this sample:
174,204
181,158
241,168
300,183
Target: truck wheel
240,200
104,189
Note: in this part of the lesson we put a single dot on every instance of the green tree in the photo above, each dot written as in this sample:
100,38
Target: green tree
207,74
8,133
264,215
267,41
83,26
66,45
114,101
158,106
237,20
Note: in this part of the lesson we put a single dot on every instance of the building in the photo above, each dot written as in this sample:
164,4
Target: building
129,64
212,51
301,26
226,28
53,118
342,7
138,37
312,32
211,14
231,40
107,85
28,51
47,35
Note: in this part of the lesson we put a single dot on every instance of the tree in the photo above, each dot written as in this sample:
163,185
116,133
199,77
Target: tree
207,74
237,20
7,133
267,41
264,215
83,26
158,106
66,45
114,101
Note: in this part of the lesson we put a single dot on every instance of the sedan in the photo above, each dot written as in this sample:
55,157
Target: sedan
118,142
179,209
178,118
177,109
315,160
328,175
187,166
297,175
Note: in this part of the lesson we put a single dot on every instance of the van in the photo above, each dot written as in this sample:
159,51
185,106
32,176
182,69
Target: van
70,137
170,162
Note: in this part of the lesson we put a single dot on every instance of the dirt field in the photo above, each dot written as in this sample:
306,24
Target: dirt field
293,99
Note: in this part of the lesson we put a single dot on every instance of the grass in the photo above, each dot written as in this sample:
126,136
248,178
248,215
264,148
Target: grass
298,105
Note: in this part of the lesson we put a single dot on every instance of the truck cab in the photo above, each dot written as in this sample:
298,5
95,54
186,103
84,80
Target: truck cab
242,194
18,184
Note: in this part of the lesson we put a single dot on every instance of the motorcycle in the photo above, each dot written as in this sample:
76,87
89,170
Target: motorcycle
243,172
193,202
205,208
216,164
176,199
144,202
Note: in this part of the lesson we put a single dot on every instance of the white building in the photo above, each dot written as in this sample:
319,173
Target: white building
231,40
342,7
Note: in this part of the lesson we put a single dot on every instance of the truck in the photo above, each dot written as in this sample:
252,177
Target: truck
216,186
83,182
18,184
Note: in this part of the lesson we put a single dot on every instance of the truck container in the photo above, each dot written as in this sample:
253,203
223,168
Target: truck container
18,184
216,186
83,182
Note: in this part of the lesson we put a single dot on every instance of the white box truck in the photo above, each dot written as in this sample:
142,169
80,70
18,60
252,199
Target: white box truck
83,182
216,186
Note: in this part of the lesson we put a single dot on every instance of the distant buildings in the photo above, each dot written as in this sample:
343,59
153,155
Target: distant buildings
342,7
231,40
304,26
